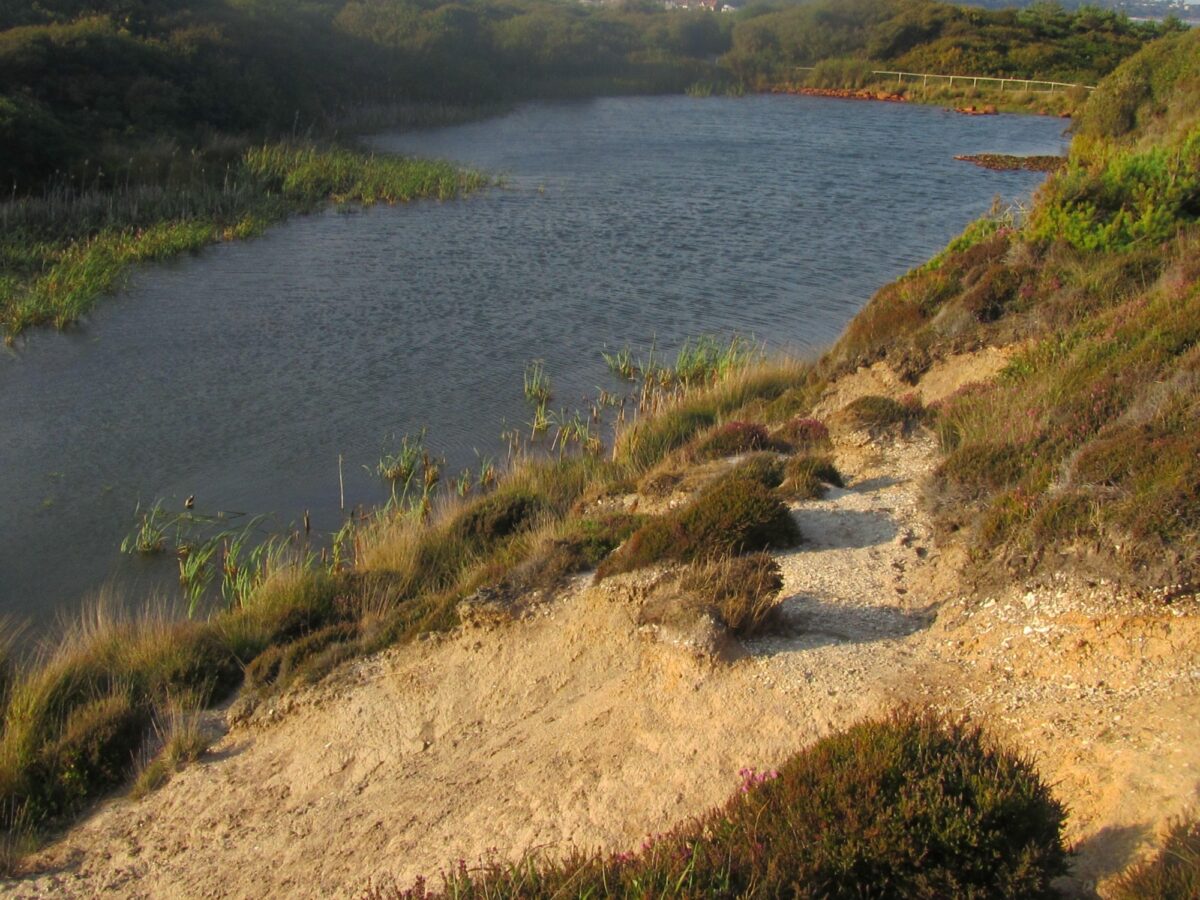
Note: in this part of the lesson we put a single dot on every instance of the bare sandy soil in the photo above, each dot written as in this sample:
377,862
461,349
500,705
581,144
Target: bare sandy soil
576,727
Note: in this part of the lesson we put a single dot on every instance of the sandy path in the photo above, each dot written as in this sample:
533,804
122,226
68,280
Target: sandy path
572,727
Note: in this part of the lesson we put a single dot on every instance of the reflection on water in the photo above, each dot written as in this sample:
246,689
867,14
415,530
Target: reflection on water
240,375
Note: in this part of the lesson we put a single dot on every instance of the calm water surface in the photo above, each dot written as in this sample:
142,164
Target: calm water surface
241,374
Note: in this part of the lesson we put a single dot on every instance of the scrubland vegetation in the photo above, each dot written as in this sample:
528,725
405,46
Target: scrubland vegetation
1084,450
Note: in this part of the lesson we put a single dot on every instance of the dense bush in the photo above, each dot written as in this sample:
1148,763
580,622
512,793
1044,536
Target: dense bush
731,439
987,466
734,515
580,546
497,516
804,434
910,807
765,468
845,40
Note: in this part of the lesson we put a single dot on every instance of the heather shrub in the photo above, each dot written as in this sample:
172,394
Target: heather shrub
733,515
731,439
907,807
765,468
581,545
92,754
280,664
497,516
876,413
804,434
807,476
990,465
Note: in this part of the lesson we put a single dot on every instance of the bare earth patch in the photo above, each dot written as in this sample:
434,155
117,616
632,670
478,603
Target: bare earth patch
576,727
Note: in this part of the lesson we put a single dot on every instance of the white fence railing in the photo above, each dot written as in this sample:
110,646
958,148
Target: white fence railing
1033,85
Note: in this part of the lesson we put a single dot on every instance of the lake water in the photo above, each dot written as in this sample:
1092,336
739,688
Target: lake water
241,374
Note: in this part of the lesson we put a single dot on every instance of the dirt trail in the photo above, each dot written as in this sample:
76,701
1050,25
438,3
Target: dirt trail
575,727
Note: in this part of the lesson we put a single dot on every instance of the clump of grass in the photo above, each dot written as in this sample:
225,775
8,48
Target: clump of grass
537,383
741,589
1171,874
149,535
399,466
911,805
622,364
182,739
807,476
308,174
733,515
644,443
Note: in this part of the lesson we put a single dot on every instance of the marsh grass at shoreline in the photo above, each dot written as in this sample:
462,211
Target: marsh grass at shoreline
63,249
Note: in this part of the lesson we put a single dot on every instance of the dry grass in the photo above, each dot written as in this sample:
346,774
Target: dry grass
1171,874
743,590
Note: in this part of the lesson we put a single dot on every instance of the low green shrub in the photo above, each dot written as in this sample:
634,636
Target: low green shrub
908,807
765,468
581,546
1171,874
93,754
280,664
807,476
731,439
804,435
497,516
990,465
733,515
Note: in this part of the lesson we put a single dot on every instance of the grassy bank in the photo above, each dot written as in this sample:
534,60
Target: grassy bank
1084,451
63,249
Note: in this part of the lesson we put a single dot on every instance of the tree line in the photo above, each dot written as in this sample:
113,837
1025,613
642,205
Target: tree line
82,81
